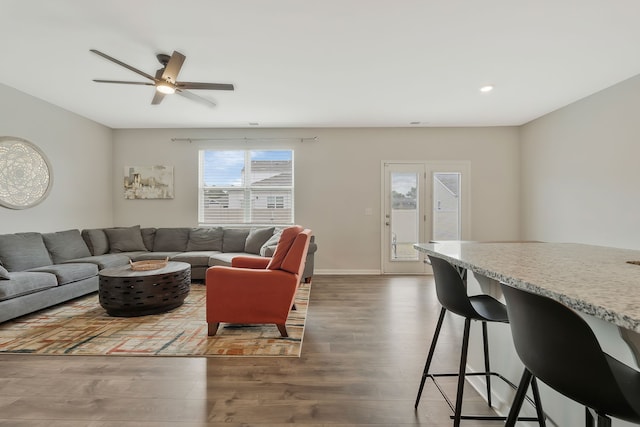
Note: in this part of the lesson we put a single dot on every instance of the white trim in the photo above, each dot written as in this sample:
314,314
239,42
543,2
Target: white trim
327,272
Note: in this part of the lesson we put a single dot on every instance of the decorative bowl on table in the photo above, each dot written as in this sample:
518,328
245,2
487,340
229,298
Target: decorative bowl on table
149,264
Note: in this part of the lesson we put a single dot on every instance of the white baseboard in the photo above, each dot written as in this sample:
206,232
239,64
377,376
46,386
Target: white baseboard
317,272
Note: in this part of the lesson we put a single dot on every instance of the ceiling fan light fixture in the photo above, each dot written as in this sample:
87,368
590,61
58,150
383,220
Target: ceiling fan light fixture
165,88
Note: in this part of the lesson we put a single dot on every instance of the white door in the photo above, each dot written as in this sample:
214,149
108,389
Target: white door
403,215
422,202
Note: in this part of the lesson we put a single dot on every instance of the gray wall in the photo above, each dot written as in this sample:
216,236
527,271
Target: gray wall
580,171
579,175
80,153
336,179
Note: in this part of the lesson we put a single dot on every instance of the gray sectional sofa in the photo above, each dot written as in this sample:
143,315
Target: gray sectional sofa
38,270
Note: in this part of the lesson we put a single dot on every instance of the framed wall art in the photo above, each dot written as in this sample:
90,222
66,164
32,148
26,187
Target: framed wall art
148,182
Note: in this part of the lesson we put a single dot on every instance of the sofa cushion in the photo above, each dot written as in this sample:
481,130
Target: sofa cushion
23,283
205,239
148,236
234,239
96,241
105,260
71,272
22,251
223,258
171,240
195,258
4,274
125,239
65,245
269,247
256,238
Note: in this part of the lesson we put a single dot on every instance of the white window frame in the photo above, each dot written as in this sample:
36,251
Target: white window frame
250,191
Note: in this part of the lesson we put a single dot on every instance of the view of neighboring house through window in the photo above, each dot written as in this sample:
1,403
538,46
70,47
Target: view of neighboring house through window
246,187
446,206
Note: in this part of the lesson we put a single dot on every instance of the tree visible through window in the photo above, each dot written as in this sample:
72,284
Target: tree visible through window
246,187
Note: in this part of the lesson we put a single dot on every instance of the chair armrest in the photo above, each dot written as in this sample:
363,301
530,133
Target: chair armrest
250,262
230,277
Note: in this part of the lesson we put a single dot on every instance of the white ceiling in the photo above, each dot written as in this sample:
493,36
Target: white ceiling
300,63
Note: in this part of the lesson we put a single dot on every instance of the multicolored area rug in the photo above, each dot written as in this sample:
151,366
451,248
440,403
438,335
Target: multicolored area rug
82,327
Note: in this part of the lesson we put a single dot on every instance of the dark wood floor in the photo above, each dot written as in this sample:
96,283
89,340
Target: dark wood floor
364,348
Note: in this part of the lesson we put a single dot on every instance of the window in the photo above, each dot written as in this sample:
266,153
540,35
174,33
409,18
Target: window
446,205
246,187
275,202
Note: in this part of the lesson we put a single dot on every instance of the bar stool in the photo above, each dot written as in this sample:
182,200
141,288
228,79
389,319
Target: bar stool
452,295
557,346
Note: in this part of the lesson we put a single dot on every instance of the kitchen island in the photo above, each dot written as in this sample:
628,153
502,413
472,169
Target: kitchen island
594,280
598,282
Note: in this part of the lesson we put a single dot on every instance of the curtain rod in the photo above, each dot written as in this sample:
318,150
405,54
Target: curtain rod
301,139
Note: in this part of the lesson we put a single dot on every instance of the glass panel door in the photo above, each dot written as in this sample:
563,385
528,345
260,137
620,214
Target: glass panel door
403,217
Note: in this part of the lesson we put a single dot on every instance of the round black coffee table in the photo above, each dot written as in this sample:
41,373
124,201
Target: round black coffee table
124,292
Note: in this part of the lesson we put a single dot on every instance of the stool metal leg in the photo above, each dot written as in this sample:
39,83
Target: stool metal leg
588,417
604,421
427,365
462,372
538,402
521,393
487,369
525,380
457,406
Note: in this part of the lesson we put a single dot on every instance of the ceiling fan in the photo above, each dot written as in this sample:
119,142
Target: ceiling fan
166,79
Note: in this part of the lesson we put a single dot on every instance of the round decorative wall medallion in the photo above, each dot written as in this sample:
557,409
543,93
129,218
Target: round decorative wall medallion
25,173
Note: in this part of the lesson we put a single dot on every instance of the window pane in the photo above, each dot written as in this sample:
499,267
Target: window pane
446,206
246,187
271,206
223,168
271,168
404,216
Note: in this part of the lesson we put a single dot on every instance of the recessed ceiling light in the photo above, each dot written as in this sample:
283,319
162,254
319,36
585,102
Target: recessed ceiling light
487,88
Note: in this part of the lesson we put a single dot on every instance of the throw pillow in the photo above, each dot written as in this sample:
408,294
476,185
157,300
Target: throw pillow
284,244
269,247
205,239
96,241
148,236
127,239
22,251
256,238
4,274
171,239
65,245
234,239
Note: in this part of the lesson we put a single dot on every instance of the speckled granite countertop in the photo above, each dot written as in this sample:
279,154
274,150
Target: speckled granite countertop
595,280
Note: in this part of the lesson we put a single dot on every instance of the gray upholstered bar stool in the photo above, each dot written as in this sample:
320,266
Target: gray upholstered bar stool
557,346
452,295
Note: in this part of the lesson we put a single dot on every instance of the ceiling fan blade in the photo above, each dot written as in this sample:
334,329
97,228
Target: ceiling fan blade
122,64
173,67
157,98
208,86
123,82
197,98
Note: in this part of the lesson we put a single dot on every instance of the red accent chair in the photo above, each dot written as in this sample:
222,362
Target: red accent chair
258,290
